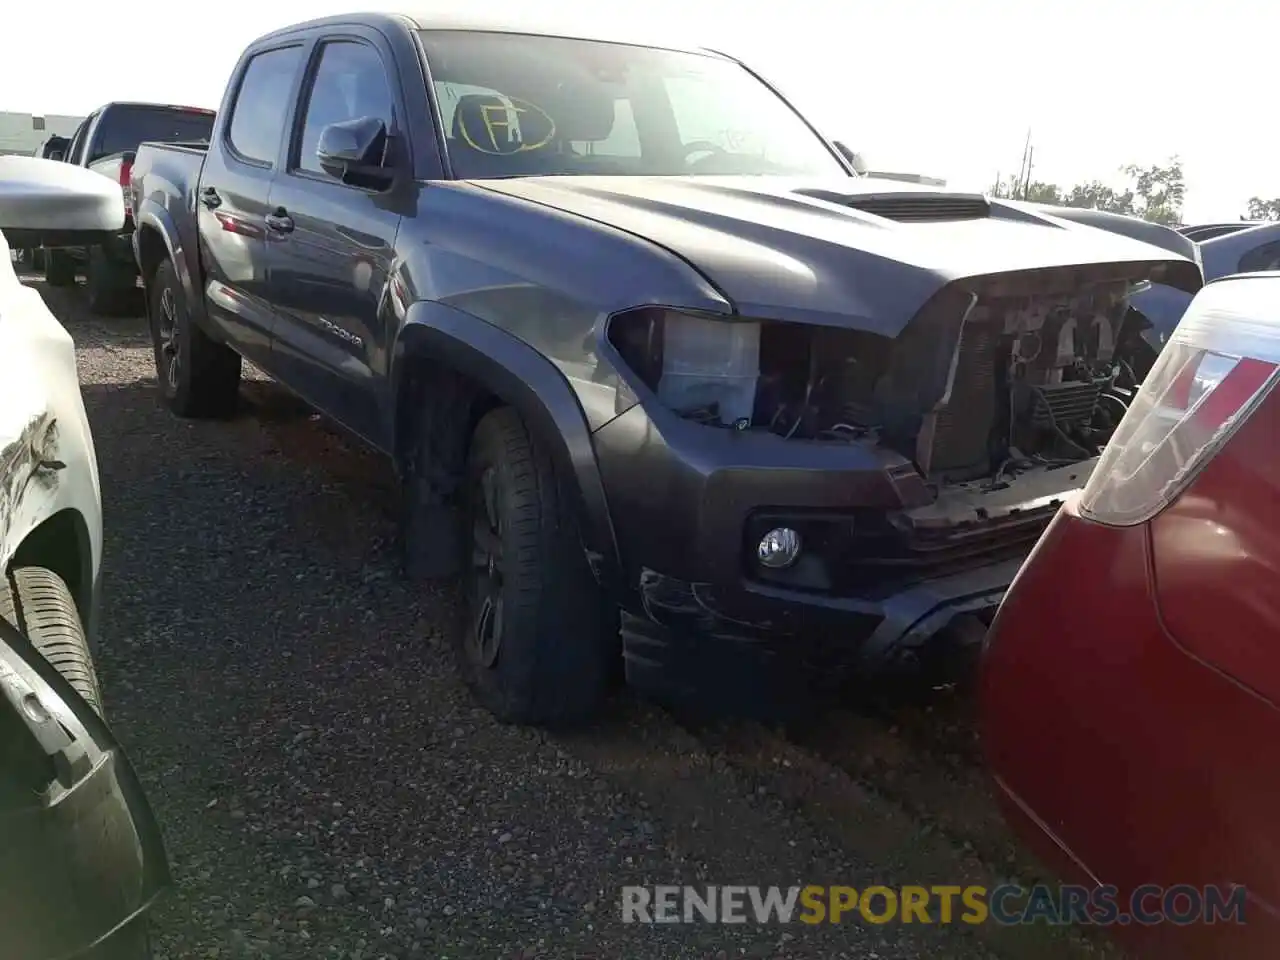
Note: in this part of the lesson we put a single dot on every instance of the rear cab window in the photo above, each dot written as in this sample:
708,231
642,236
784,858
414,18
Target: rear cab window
1265,257
262,104
125,126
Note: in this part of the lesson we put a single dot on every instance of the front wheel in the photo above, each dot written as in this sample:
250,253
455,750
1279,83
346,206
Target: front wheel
198,377
536,646
38,603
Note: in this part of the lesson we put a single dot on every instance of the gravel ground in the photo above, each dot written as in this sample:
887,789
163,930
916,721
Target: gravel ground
325,785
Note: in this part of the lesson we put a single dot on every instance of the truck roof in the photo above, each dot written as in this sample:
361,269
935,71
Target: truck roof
154,106
531,23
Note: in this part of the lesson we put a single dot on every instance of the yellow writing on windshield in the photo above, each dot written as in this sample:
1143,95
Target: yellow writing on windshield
505,131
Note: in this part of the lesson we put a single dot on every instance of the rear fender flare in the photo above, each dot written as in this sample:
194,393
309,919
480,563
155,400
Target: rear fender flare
522,378
152,216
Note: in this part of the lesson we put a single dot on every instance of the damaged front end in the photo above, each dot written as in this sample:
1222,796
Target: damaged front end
980,417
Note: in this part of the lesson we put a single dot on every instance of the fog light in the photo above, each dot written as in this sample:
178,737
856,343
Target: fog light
778,548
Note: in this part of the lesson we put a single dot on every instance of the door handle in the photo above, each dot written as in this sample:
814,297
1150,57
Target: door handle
209,197
280,221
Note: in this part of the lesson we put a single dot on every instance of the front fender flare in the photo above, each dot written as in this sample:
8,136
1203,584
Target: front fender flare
526,380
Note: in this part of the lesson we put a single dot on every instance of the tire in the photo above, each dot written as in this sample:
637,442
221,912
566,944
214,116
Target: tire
110,286
198,377
59,268
132,943
535,645
38,603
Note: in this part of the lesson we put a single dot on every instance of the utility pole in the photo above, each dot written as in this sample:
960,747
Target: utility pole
1024,180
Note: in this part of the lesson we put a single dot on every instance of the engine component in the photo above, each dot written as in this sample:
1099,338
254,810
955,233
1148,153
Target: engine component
1026,379
1050,405
983,381
956,438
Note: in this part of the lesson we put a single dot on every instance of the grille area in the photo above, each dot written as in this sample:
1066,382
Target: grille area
890,558
923,209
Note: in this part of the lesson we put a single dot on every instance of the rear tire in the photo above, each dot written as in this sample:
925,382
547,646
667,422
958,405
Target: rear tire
112,288
38,603
198,377
538,637
59,268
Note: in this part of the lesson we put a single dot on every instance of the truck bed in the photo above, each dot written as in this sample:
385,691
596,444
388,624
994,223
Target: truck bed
172,169
169,173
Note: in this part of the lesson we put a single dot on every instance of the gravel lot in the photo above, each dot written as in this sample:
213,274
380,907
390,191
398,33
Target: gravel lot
327,789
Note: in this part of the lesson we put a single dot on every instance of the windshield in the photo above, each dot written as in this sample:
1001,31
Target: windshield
523,105
123,128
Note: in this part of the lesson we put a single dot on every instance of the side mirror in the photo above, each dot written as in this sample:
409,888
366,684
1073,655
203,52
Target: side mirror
56,156
355,151
855,159
46,203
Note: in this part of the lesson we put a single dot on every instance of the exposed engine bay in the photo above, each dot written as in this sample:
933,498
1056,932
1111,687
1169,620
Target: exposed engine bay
986,382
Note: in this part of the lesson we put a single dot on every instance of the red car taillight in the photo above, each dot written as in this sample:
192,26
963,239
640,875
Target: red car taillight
1219,364
126,186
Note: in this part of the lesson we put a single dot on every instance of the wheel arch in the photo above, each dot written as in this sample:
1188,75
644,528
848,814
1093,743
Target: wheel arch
460,367
154,242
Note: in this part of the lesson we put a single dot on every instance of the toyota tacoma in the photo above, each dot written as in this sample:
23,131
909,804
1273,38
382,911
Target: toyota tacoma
664,378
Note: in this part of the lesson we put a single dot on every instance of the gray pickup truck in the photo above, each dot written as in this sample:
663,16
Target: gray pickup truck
663,376
105,142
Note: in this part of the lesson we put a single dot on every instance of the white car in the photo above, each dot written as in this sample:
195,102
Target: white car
81,859
50,504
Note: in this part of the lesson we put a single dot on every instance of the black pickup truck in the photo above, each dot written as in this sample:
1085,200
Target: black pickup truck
662,375
105,142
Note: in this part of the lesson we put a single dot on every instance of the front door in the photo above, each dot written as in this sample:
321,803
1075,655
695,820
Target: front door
329,272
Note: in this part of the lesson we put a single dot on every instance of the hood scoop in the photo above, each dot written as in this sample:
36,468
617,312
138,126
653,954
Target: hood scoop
923,208
914,207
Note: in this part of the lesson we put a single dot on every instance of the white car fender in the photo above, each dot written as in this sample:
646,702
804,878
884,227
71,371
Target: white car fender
47,458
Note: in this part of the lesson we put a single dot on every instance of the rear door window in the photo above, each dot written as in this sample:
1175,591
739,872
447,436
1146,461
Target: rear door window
261,107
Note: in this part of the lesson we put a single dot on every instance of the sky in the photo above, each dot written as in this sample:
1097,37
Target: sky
922,86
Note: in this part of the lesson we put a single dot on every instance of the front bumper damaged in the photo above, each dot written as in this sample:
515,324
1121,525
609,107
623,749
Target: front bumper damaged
699,622
688,640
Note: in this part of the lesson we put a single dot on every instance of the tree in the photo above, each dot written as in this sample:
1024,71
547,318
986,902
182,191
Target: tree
1096,195
1161,191
1036,192
1154,193
1260,209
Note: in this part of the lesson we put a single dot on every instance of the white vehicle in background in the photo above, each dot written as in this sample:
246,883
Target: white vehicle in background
80,856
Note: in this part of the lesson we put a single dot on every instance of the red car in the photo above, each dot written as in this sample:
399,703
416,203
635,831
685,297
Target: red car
1131,680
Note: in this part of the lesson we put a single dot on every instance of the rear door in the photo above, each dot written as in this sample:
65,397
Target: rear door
234,188
330,267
